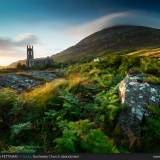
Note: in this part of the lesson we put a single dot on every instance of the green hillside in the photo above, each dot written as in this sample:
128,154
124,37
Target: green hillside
114,40
118,39
153,53
78,112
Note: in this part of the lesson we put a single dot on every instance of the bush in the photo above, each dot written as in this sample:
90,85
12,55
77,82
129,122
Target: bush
151,135
97,142
80,137
150,66
151,130
152,79
108,107
72,134
9,104
66,144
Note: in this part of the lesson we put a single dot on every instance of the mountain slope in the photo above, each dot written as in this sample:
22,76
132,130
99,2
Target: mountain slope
118,39
14,64
154,52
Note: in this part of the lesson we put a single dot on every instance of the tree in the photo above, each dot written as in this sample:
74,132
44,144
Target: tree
21,66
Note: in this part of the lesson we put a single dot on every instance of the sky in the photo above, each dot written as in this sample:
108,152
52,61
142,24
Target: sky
54,25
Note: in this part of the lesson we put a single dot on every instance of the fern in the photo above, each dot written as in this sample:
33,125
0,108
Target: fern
108,104
66,144
21,149
51,114
97,142
16,129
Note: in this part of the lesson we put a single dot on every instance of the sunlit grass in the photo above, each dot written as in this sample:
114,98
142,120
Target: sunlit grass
74,79
146,53
40,95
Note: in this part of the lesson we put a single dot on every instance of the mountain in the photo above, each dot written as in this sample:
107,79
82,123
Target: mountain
117,39
37,61
138,40
14,64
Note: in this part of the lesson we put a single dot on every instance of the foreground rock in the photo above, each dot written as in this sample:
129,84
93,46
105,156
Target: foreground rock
136,95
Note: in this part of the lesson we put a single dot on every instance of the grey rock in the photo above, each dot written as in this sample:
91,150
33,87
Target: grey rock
136,95
22,82
16,82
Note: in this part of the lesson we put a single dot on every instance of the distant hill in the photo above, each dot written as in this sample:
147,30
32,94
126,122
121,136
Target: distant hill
14,64
118,39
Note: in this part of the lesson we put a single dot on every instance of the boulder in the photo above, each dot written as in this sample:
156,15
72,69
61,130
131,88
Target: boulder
135,95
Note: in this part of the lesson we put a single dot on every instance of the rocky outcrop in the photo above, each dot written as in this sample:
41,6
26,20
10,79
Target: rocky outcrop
136,95
26,80
18,83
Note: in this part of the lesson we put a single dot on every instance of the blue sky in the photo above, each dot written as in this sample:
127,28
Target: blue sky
54,25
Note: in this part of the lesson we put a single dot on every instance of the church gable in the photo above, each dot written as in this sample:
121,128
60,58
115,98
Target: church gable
38,62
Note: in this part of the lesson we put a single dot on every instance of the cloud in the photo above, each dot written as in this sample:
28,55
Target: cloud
120,18
95,25
24,39
13,47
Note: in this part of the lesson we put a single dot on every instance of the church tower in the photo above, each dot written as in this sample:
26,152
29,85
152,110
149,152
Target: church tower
30,56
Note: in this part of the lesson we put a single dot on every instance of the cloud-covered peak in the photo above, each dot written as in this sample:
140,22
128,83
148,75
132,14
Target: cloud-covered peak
120,18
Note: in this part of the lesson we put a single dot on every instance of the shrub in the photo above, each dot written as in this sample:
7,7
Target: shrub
16,129
97,142
79,136
151,130
66,144
9,103
151,135
108,106
152,79
150,66
73,133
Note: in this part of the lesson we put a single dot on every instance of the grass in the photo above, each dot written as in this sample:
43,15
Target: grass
150,52
40,95
152,80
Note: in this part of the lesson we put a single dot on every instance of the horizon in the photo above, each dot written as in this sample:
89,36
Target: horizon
52,26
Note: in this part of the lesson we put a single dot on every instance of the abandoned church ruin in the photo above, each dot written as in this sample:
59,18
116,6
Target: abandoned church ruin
38,62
